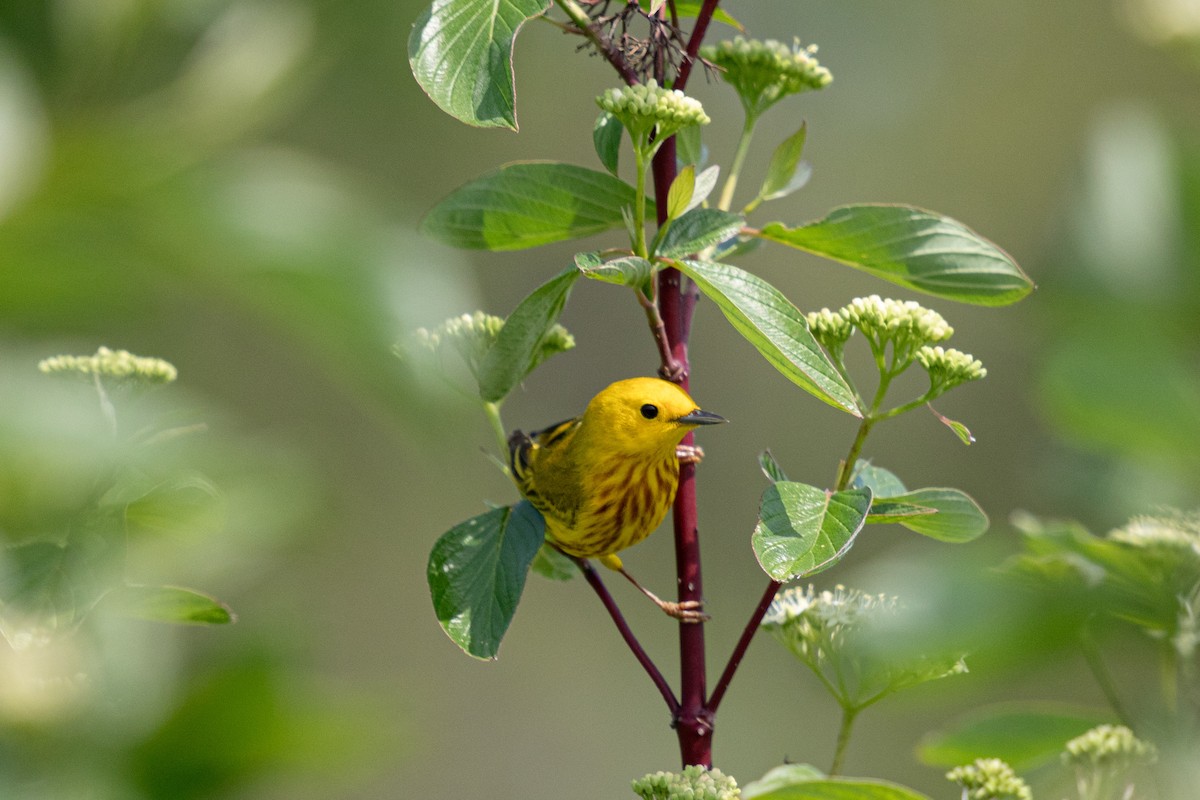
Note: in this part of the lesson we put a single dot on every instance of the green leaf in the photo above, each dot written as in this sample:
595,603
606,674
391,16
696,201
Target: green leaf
885,511
528,204
170,604
698,229
917,249
784,162
770,467
803,530
552,563
679,196
42,581
460,52
1026,735
760,313
958,518
781,777
882,482
706,181
843,789
606,136
688,147
690,10
624,271
512,356
477,572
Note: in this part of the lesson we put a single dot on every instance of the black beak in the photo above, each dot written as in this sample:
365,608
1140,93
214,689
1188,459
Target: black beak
699,417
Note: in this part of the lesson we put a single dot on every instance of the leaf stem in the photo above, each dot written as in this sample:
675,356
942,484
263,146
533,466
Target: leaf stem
739,159
849,713
847,470
492,412
639,204
1095,662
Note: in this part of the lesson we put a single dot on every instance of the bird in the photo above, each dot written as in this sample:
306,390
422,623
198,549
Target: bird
604,480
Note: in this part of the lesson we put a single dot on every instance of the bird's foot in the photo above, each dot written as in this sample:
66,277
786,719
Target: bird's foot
684,611
689,453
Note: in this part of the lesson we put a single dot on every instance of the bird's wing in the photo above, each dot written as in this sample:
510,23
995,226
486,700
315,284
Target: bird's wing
527,450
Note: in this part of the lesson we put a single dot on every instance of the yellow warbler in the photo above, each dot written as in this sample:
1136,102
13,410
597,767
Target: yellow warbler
604,480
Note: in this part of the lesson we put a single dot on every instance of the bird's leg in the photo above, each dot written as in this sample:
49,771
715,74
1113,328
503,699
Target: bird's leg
685,611
689,453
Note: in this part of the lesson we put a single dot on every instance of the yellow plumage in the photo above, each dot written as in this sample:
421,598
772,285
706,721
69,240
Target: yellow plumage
604,480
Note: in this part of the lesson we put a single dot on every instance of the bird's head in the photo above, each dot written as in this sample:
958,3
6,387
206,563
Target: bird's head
645,415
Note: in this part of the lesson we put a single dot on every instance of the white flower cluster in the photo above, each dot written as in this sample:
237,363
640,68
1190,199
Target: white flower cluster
902,321
472,336
1175,532
643,106
118,365
693,783
989,779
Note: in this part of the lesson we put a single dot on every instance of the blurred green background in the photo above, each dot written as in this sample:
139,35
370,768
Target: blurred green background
234,185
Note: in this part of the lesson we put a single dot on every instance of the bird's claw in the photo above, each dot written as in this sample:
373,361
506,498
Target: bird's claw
673,372
685,611
689,453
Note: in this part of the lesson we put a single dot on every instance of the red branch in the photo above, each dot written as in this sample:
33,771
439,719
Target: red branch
589,572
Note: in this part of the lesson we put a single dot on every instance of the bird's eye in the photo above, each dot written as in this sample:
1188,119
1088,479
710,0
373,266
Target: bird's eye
649,411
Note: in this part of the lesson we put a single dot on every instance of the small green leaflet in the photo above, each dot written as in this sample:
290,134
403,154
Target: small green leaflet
842,789
770,467
477,572
917,249
460,52
782,171
803,530
169,604
623,270
679,196
606,136
512,356
776,328
961,431
527,204
958,519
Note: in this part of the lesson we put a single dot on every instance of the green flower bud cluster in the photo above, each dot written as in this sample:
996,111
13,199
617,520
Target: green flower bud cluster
765,72
693,783
644,107
119,366
899,332
1112,746
831,633
948,368
472,336
989,779
830,328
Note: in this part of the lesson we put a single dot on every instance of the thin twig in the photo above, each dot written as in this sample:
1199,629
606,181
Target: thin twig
707,9
602,44
593,578
735,658
670,368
